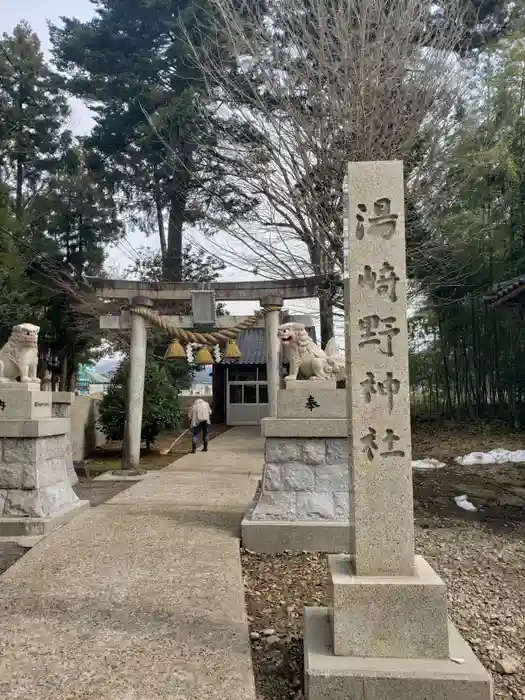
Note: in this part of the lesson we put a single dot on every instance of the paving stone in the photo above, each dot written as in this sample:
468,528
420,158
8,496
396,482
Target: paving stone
313,451
19,450
17,475
279,451
22,503
275,505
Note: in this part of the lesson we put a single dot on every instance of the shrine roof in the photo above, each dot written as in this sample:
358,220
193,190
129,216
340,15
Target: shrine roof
252,345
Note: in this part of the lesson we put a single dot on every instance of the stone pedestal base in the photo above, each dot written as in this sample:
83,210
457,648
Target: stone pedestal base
35,488
303,501
298,384
311,402
29,527
330,677
388,616
277,536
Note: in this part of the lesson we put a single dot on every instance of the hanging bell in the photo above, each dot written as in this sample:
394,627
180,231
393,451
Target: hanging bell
232,351
203,356
175,351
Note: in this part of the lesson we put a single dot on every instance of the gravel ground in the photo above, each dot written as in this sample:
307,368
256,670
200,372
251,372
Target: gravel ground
480,556
482,562
98,492
483,570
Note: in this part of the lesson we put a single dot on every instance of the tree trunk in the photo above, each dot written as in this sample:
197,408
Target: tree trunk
72,380
19,183
160,218
62,386
326,312
41,368
446,375
326,321
19,163
179,189
173,260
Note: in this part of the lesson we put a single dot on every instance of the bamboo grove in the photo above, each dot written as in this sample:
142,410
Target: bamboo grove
467,361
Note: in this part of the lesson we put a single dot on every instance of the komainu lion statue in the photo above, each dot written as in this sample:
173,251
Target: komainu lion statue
306,358
19,356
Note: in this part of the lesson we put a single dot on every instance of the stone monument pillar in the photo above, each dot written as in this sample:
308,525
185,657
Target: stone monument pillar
387,633
137,370
273,307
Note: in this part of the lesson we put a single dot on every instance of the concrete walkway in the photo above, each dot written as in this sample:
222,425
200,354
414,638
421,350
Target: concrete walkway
140,598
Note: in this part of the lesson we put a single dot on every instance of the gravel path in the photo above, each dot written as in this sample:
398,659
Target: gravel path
483,565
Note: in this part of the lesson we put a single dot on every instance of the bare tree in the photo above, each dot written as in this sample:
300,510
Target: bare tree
318,83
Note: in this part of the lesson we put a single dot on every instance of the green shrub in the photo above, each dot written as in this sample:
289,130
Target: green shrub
161,403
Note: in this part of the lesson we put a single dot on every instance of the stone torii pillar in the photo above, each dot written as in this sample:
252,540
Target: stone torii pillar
272,306
137,370
138,325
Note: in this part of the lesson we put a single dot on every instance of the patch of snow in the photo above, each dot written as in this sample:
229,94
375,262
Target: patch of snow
463,502
427,464
497,456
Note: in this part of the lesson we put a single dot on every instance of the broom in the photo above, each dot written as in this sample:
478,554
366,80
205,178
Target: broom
167,450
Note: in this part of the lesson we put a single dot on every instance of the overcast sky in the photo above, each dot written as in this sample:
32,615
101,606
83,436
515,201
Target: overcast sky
37,13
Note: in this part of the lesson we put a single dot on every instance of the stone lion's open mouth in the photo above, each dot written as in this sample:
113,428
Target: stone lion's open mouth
286,337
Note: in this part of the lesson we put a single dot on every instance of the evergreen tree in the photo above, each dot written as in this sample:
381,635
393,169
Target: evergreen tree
81,218
132,65
33,111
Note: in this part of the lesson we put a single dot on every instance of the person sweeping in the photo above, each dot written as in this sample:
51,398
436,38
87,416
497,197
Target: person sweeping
199,415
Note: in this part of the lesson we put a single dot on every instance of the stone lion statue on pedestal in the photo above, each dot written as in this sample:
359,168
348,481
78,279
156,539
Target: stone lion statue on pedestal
19,356
306,358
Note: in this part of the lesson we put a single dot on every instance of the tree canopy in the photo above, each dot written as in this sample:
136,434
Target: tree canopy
237,121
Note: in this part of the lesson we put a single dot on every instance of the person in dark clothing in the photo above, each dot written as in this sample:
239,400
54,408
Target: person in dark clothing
201,428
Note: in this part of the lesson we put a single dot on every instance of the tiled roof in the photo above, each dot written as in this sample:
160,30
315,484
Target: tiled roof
511,289
253,348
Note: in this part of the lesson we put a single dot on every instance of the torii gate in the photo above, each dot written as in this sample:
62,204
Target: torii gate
142,297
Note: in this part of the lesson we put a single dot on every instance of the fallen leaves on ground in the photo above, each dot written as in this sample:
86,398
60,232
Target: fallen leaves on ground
483,570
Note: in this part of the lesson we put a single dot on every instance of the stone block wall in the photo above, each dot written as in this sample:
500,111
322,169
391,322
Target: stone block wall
61,408
85,433
304,479
34,480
